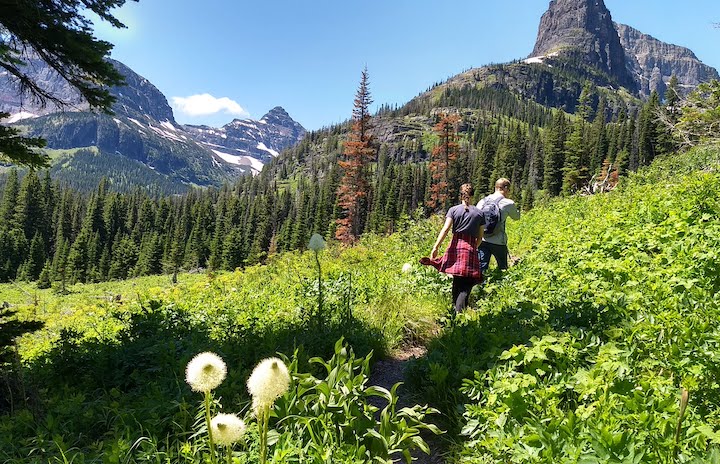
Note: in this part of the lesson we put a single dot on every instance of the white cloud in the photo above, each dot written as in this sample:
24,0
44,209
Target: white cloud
205,104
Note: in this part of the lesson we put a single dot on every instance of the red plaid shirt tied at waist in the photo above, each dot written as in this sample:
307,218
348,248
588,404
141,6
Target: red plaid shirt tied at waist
460,259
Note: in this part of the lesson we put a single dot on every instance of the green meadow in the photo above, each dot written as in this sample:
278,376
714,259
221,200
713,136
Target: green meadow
599,346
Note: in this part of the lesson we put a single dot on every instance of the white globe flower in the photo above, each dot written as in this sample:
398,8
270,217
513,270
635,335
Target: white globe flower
317,243
269,380
227,429
205,372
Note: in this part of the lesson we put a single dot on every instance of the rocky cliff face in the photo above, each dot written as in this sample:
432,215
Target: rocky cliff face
11,101
653,62
583,28
139,97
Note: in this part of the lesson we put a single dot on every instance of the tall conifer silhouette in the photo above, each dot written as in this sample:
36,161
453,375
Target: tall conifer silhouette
358,153
442,157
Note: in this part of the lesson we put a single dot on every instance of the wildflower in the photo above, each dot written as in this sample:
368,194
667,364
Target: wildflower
269,380
317,243
227,429
205,372
407,267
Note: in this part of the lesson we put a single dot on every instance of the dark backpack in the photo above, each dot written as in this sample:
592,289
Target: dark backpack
491,213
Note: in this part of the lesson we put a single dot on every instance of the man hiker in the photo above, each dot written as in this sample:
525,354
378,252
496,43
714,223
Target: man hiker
496,208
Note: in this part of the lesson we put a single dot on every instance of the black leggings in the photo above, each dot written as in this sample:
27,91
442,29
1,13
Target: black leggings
461,288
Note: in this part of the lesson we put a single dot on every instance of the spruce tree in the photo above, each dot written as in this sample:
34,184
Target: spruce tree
649,130
554,154
443,157
9,201
358,153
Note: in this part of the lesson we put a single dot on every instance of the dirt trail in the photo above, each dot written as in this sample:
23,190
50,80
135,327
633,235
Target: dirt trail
386,373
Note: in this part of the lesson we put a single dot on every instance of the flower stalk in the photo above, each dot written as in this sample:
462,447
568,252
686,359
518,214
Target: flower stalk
317,244
209,427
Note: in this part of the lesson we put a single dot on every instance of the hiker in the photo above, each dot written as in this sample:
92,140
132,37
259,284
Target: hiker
494,242
460,259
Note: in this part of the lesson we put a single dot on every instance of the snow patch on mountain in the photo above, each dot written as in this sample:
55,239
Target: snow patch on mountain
19,117
137,122
168,135
241,160
261,146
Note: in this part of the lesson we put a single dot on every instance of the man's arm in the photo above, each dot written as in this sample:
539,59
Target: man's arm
512,211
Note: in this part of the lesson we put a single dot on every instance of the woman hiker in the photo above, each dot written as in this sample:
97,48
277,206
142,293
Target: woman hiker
461,258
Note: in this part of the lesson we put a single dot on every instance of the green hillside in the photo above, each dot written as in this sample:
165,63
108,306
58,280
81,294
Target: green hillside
577,354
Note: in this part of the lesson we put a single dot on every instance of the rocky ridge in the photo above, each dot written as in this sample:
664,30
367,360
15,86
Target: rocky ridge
261,140
654,62
143,130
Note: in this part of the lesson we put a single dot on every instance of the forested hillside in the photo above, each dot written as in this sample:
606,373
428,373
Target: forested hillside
588,349
598,346
56,235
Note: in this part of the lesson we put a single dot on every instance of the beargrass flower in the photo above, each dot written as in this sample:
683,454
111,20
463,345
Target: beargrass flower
407,267
269,380
205,372
317,243
227,429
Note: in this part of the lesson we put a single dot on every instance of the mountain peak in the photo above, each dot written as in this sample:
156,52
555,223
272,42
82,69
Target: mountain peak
277,113
584,28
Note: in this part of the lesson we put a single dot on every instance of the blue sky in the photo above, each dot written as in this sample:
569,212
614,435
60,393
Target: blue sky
238,59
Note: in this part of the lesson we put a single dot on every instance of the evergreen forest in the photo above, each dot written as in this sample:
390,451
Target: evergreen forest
56,235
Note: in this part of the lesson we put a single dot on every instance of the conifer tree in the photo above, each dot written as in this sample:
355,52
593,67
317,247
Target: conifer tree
485,162
648,127
29,210
443,156
574,153
554,154
669,115
598,135
358,153
35,259
9,202
44,278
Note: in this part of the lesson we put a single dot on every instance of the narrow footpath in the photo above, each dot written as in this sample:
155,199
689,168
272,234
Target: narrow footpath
386,373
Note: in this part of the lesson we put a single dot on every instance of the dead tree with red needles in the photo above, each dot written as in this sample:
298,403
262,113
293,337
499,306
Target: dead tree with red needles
358,153
441,159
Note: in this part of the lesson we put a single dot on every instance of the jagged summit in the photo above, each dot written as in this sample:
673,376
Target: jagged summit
277,112
583,28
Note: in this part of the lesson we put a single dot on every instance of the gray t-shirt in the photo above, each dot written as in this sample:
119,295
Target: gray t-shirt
465,222
507,209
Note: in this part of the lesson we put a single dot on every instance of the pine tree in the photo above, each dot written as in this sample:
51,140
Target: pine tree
124,258
358,153
598,135
574,153
554,154
60,263
30,209
648,136
443,156
44,278
669,117
485,162
35,259
9,201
